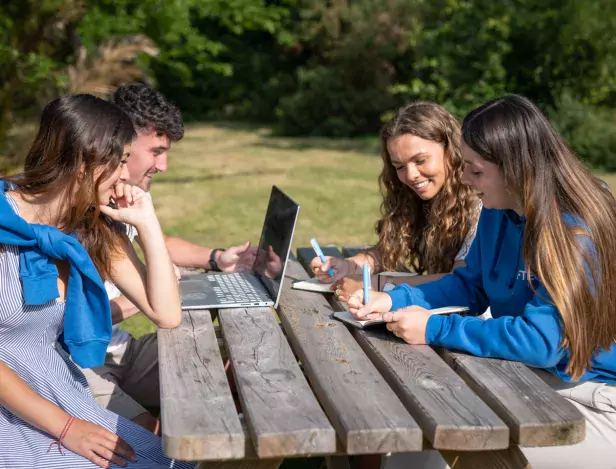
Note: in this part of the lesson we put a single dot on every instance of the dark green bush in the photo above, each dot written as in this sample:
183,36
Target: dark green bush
590,130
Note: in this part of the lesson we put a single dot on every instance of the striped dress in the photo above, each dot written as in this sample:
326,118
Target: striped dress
28,345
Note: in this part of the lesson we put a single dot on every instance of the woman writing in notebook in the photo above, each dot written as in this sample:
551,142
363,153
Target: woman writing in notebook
544,261
60,226
428,216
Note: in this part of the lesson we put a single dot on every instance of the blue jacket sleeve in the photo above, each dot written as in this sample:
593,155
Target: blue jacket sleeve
463,287
533,338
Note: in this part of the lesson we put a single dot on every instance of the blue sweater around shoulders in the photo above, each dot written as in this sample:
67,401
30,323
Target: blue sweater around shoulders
87,315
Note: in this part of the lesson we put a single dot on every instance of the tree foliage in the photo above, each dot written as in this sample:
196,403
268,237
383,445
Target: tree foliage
321,67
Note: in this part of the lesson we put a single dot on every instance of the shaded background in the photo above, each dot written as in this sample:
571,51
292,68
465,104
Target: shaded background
333,68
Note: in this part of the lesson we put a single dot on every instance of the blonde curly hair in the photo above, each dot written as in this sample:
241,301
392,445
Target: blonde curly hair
424,236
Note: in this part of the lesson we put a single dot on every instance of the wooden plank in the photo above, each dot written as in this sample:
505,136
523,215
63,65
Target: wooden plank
451,416
510,458
366,413
251,461
199,420
284,417
536,414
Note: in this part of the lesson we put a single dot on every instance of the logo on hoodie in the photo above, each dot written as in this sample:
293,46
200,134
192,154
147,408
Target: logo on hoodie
524,275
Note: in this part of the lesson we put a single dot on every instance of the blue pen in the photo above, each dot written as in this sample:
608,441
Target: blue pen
317,250
366,272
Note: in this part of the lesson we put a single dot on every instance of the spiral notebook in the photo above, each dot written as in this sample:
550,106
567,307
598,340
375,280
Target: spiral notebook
347,318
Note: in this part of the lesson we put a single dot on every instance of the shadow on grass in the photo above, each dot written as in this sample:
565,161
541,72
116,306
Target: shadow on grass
269,138
213,177
369,146
231,125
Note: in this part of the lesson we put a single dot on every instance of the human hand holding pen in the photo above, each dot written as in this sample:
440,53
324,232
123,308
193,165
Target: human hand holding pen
340,268
378,304
319,253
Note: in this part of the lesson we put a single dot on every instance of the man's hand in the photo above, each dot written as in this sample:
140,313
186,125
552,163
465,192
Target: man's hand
237,258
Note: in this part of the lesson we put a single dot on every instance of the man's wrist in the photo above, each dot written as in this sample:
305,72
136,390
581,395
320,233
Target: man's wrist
214,258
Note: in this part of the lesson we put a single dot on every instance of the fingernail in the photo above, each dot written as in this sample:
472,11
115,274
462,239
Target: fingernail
133,458
367,315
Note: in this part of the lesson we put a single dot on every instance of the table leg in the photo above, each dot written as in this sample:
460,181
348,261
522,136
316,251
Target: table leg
510,458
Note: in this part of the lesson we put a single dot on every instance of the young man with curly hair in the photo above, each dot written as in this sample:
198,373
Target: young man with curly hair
128,383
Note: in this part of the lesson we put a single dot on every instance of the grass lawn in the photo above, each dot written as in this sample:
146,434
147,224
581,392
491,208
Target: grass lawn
216,189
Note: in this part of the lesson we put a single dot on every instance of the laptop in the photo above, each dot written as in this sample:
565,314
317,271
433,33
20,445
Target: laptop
260,286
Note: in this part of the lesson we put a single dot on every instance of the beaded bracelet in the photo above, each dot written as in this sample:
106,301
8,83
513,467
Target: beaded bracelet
62,435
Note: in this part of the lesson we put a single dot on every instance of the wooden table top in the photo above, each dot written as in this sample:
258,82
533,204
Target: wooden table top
315,387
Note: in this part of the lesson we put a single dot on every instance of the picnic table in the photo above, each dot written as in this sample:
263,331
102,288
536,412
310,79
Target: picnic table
310,386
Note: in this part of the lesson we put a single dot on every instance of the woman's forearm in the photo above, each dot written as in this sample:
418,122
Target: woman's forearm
411,280
23,401
357,261
161,285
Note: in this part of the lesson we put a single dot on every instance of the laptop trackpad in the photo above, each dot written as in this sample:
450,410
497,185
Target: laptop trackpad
196,290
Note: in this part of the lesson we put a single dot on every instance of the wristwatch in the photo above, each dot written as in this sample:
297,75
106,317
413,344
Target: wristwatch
213,265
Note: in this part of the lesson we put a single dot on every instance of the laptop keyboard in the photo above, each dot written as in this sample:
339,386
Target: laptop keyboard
234,288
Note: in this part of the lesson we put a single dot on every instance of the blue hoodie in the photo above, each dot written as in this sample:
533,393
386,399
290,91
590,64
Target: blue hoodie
525,327
87,316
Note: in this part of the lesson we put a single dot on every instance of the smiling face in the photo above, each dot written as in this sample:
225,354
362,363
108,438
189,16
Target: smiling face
105,188
419,164
487,181
148,157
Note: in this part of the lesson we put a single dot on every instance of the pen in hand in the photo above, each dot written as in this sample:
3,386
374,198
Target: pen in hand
366,274
317,250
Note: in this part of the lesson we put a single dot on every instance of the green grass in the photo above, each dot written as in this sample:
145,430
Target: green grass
216,189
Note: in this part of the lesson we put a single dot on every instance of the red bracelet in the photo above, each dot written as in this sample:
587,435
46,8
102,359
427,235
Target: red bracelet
62,435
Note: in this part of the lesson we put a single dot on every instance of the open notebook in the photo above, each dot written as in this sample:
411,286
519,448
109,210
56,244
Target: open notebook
347,318
313,285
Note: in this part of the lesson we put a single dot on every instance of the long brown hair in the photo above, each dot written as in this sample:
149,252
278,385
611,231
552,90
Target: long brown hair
77,135
424,235
554,187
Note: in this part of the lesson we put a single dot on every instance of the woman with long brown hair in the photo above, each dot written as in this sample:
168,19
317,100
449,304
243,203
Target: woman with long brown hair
544,260
60,225
428,217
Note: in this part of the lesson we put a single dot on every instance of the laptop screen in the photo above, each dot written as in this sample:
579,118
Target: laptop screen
275,243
